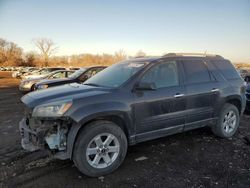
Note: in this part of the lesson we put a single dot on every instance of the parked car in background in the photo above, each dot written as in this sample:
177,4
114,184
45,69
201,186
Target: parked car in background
79,76
74,68
40,73
18,73
29,84
130,102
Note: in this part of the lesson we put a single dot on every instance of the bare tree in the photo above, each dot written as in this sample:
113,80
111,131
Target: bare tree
10,53
120,55
30,59
46,47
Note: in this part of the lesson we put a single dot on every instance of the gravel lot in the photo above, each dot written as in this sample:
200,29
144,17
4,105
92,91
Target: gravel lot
192,159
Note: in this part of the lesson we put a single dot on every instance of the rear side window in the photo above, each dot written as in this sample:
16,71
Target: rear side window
227,69
196,71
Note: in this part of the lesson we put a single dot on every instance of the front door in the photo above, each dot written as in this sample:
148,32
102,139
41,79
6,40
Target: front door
160,111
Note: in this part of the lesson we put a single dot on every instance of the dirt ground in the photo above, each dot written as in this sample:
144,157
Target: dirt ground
192,159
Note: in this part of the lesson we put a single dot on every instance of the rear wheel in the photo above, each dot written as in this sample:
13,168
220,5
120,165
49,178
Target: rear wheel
228,121
100,148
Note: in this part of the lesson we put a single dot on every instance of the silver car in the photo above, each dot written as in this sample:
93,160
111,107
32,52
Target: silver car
28,85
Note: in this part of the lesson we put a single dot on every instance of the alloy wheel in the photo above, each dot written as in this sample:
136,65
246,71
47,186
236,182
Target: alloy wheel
229,122
102,150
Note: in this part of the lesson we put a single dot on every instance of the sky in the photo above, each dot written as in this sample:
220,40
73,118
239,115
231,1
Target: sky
154,26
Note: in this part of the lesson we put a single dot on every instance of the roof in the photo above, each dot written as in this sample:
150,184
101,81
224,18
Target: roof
177,55
89,67
192,55
143,59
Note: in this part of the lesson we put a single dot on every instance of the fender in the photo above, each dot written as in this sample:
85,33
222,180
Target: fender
241,99
224,99
86,114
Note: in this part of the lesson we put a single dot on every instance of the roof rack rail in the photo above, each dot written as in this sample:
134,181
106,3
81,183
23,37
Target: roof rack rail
191,54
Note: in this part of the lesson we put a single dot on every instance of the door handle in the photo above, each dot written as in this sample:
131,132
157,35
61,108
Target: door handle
178,95
215,89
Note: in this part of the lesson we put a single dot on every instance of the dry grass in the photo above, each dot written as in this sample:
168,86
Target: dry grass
6,81
242,65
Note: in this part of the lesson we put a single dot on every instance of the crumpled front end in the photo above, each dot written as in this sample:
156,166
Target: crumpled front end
44,133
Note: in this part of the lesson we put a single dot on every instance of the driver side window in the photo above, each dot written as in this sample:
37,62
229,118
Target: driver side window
162,75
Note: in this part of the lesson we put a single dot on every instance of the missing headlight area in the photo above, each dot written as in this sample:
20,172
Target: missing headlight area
38,134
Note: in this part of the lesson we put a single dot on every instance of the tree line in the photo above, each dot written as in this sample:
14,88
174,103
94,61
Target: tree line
13,55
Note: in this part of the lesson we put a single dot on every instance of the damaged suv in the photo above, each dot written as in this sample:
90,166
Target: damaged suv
130,102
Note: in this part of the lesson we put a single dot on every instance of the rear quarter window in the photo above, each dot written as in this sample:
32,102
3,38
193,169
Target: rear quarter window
227,69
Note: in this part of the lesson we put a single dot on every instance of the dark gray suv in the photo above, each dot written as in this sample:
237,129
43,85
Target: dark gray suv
130,102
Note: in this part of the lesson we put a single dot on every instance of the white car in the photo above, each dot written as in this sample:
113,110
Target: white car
41,73
23,70
28,85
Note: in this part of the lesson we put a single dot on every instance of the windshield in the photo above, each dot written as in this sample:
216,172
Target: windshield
115,75
50,74
77,73
43,71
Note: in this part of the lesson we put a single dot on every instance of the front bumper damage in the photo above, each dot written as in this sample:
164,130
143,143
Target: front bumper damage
44,134
27,135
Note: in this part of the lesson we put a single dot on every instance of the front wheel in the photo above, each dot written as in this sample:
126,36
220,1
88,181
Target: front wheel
100,148
228,121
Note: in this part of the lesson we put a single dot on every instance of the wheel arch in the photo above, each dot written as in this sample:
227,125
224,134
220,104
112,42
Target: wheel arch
117,118
236,101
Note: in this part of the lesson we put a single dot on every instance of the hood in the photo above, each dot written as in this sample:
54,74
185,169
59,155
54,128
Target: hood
51,81
65,92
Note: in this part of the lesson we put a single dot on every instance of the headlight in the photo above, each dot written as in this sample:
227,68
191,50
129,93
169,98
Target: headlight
56,109
27,83
42,86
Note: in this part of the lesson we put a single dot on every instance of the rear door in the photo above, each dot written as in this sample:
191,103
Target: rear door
161,111
200,89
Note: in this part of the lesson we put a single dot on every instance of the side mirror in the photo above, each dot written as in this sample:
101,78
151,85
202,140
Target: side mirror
145,86
247,79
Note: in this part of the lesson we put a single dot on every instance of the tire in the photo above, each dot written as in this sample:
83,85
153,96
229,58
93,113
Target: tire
222,127
89,139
